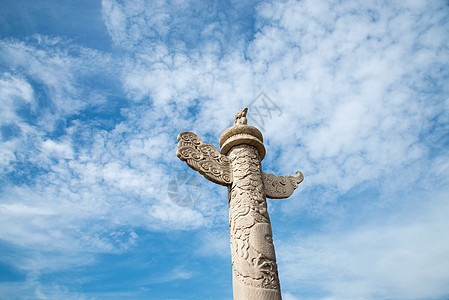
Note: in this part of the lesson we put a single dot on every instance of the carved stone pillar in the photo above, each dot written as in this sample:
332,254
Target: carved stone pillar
238,166
254,268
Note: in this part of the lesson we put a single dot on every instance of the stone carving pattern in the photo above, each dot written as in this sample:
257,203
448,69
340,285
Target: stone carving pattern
240,117
253,256
204,158
279,187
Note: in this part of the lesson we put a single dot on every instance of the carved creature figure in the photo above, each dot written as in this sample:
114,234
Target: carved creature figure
240,117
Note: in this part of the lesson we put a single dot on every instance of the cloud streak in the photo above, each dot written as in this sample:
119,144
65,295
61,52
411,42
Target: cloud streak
86,135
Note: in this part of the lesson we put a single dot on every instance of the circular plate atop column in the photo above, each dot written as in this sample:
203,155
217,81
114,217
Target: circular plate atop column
242,134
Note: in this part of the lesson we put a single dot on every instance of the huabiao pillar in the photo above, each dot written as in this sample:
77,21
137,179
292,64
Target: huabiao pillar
238,166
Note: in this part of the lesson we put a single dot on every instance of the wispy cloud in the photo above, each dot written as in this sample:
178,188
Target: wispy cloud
213,26
401,256
88,137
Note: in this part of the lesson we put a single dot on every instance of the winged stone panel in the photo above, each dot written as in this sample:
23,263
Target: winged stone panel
280,187
204,158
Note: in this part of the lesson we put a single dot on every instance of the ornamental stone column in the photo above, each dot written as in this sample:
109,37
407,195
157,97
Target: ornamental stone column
238,166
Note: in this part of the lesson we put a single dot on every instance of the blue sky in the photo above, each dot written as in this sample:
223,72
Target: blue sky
94,93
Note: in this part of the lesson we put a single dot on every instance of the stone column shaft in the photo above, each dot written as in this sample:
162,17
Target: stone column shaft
255,274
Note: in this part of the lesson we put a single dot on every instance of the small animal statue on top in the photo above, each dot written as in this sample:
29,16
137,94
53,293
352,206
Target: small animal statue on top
240,117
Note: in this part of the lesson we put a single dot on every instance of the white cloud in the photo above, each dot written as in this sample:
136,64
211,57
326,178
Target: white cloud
60,70
349,91
215,244
15,92
399,256
361,87
141,26
63,150
358,86
115,20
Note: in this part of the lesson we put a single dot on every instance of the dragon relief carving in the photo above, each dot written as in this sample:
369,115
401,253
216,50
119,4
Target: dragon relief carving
280,187
239,168
253,254
204,158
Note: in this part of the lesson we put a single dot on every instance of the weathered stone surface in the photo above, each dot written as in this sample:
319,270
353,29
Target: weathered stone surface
280,187
253,257
238,166
242,134
204,158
